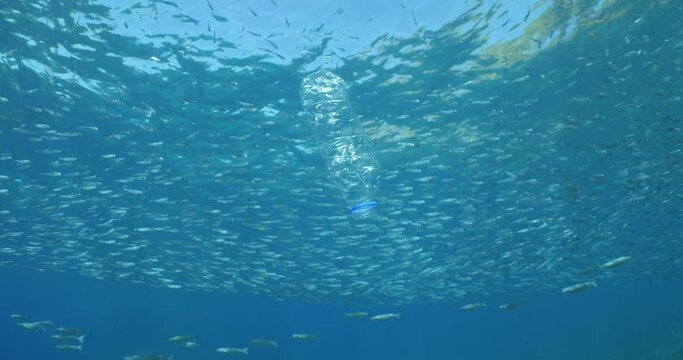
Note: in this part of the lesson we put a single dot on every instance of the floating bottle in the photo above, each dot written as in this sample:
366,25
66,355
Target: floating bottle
342,142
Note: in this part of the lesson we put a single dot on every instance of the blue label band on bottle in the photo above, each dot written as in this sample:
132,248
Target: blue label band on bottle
364,208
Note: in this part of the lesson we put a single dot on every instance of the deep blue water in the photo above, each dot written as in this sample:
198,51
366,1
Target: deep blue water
640,321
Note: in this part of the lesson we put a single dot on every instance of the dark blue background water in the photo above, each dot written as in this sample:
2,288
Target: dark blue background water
639,321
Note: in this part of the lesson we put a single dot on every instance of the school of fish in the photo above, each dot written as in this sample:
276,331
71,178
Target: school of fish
550,160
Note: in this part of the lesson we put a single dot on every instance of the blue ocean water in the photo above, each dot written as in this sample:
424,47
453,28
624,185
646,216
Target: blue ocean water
159,177
639,321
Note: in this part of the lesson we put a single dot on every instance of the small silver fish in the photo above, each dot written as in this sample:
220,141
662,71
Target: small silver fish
35,326
68,338
263,342
615,262
233,351
580,287
508,306
17,318
472,307
71,331
385,317
181,339
356,314
69,347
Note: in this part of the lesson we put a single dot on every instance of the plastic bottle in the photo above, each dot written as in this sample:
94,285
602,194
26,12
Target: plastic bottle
342,142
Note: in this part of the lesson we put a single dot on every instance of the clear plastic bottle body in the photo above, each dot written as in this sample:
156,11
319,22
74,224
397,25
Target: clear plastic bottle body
342,141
